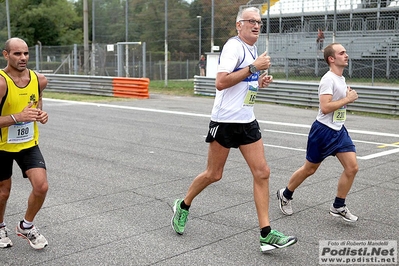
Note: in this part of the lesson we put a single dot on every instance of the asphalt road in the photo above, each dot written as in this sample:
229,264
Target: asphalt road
115,169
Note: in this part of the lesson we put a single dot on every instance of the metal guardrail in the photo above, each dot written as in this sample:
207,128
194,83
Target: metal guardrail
99,85
92,85
372,99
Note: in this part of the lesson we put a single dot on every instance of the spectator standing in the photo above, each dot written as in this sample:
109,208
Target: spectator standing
202,65
320,41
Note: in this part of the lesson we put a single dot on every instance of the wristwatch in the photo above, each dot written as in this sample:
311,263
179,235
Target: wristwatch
253,69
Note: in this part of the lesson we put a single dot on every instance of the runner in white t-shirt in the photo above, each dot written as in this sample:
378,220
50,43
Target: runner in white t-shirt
233,125
328,136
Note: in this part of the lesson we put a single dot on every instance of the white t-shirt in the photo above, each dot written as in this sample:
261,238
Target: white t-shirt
235,104
335,85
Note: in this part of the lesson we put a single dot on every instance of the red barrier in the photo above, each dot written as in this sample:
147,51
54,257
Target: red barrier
131,87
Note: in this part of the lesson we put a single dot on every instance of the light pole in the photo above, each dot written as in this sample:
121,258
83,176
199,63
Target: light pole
199,37
212,24
8,20
93,38
126,37
166,43
86,36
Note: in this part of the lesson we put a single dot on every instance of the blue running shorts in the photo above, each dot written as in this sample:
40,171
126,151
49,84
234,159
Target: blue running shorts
324,141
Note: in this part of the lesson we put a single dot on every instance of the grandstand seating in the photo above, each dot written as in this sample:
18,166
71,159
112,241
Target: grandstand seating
303,46
364,36
394,3
306,6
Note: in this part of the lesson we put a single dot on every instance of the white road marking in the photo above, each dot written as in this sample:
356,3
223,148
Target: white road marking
367,157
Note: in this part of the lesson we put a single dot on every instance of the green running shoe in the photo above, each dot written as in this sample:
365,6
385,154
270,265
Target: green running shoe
179,218
275,239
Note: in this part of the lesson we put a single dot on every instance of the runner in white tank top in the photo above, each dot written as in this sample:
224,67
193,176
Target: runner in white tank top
233,125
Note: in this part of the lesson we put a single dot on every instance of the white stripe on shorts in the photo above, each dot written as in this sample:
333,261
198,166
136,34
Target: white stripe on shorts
213,131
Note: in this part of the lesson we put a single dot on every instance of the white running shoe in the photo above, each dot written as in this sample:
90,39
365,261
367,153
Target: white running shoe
284,203
5,242
344,213
36,240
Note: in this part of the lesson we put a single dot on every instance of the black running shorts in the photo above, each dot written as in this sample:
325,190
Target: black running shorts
233,135
26,159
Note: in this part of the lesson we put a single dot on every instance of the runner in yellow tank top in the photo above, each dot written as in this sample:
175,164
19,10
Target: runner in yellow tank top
20,110
21,135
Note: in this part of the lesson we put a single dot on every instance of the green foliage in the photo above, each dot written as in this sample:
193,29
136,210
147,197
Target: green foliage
81,97
146,23
174,87
52,22
60,22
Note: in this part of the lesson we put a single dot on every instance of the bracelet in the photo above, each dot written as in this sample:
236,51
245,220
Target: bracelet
13,118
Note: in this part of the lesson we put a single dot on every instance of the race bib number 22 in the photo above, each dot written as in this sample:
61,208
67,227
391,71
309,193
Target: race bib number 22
339,115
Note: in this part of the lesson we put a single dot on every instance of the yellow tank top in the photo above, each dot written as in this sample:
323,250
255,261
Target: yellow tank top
22,135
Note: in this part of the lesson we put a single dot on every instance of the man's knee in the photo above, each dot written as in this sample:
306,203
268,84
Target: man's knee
262,174
40,189
310,171
4,194
4,191
352,170
39,185
214,177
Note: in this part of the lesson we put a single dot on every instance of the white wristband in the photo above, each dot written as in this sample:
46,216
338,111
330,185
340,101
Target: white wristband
13,118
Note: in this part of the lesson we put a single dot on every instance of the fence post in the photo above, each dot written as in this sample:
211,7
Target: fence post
372,72
75,59
143,47
187,69
37,58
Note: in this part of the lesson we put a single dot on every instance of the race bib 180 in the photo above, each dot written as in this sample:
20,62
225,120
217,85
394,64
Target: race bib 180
20,133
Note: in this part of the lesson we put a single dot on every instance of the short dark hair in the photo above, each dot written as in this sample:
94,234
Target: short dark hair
329,51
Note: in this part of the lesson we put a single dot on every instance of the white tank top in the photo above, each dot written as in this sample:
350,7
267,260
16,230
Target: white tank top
235,104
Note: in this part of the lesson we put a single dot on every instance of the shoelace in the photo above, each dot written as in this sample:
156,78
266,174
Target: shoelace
33,233
3,232
344,211
182,218
285,200
282,238
277,237
277,233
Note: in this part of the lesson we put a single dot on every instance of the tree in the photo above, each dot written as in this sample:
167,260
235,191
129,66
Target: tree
146,23
109,20
52,22
225,13
60,22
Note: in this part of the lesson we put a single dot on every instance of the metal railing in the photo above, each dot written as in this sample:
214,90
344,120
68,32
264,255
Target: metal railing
90,85
98,85
372,99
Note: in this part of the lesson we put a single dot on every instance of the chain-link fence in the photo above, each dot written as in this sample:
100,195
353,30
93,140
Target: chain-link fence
368,29
129,63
